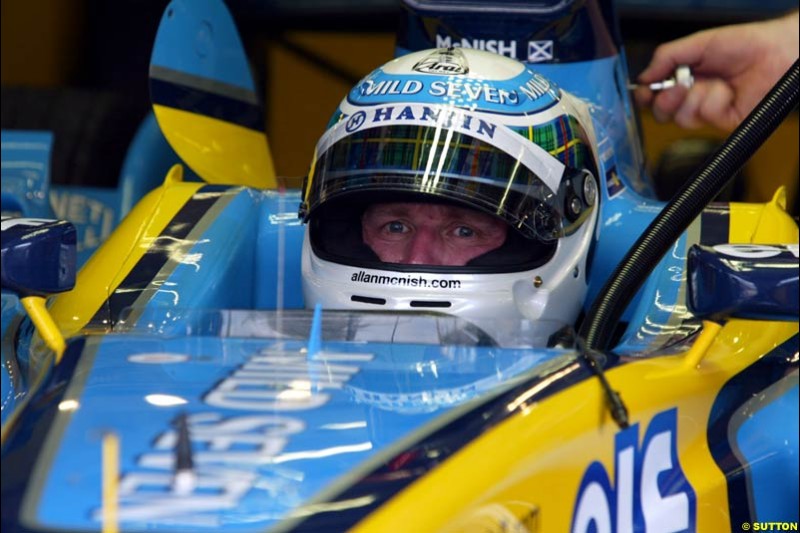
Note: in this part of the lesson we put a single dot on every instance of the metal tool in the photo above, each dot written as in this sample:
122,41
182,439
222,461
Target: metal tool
682,76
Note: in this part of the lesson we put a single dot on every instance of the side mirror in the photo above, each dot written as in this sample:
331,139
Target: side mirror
753,281
39,258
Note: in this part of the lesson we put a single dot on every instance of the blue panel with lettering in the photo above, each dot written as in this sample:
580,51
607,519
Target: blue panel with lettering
522,94
536,32
649,489
271,422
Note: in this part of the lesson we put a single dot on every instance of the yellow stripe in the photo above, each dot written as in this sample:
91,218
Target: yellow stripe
115,259
310,179
110,462
532,464
564,147
220,152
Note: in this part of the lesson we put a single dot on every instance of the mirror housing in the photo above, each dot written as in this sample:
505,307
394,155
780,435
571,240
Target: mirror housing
39,256
753,281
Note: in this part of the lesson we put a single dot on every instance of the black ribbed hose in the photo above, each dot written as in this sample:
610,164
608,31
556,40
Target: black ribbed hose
685,206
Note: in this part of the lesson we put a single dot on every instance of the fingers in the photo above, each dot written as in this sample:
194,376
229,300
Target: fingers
643,96
666,103
709,102
730,64
687,115
718,106
667,57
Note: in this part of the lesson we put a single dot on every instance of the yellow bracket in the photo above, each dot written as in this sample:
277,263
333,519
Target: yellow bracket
700,347
692,359
36,307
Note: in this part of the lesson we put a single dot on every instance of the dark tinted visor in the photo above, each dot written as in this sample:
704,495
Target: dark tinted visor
444,163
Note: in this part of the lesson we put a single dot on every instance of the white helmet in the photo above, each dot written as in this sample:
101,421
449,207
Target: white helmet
465,127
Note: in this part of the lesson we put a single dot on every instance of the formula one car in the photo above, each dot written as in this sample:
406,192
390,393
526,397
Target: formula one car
178,382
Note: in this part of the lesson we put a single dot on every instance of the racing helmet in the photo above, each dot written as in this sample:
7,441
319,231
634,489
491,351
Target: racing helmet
459,127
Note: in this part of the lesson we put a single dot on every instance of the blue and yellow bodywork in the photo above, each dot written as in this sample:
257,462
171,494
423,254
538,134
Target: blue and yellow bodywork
187,331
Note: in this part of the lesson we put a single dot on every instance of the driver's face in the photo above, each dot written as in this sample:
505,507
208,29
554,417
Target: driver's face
429,234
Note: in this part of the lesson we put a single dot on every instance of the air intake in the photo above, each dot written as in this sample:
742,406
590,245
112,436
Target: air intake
368,300
423,303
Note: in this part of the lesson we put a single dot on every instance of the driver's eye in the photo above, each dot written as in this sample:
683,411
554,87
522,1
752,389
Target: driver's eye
395,226
464,231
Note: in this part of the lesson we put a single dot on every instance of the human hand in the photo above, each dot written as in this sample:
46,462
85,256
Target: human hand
734,67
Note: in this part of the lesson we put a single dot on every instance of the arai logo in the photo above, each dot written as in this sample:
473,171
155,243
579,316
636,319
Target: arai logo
445,61
650,491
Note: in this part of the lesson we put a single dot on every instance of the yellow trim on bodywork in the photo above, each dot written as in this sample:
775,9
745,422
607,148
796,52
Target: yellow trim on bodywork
36,306
532,464
115,259
526,472
763,223
110,483
700,347
220,152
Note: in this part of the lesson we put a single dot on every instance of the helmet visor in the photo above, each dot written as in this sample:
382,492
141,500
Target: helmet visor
464,160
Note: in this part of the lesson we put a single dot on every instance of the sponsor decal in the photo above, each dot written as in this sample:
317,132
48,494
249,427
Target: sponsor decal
405,281
548,169
398,114
463,90
650,491
238,442
539,51
355,121
449,61
392,87
613,183
536,87
497,46
93,219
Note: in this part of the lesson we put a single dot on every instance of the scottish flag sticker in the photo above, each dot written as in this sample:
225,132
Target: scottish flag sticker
539,51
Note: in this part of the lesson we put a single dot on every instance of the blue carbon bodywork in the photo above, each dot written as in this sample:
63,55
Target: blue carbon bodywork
757,411
747,281
14,382
211,77
359,398
241,245
94,211
38,256
199,38
768,442
323,417
26,173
